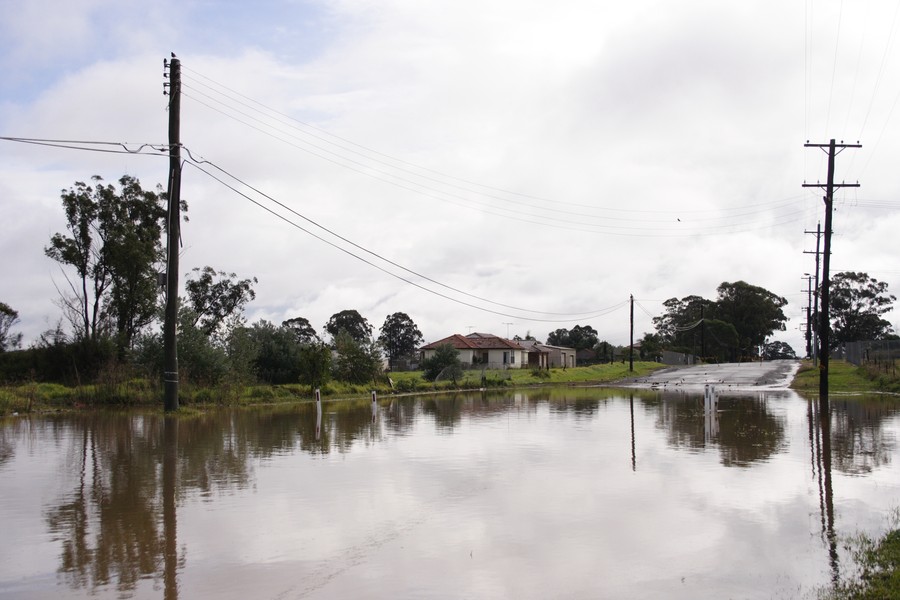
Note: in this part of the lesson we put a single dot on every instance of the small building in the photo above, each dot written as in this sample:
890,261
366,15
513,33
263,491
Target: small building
560,356
542,356
482,350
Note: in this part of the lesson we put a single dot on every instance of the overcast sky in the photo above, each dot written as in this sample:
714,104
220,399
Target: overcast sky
532,164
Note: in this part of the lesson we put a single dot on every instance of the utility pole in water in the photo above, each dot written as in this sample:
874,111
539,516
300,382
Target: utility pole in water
170,345
824,319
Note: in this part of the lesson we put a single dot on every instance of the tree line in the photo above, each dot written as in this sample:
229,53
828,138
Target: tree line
111,299
111,257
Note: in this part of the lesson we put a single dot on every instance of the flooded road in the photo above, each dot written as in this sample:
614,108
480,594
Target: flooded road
770,375
533,494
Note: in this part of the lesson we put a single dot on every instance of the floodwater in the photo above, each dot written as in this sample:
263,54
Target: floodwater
565,493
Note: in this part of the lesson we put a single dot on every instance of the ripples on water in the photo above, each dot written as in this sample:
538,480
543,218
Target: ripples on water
551,493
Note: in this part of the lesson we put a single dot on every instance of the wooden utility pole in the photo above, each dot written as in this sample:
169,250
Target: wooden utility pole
631,346
170,345
809,325
815,329
824,319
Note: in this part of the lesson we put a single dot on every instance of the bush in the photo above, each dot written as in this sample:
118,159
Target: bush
445,364
540,373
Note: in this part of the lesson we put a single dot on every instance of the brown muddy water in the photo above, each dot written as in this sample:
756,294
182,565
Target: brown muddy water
538,494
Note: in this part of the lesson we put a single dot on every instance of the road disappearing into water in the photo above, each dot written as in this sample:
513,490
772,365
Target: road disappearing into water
773,374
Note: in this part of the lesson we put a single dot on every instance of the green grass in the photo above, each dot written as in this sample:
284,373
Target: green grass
877,565
141,392
413,381
845,377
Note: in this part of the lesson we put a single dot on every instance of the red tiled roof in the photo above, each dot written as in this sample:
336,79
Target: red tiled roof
457,341
480,341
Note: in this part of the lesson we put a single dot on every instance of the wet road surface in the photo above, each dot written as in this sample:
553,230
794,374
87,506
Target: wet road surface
775,374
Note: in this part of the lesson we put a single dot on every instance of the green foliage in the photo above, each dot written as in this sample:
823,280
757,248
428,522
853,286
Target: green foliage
8,318
356,361
399,337
740,320
303,331
114,243
579,337
651,346
842,377
314,364
444,363
754,312
405,386
215,297
356,326
243,347
277,359
778,350
540,373
857,305
877,564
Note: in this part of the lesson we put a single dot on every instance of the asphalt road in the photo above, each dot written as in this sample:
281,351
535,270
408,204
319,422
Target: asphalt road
775,375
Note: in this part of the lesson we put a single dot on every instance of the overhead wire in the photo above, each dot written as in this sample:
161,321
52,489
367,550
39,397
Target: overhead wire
87,145
515,213
837,40
572,316
326,136
746,210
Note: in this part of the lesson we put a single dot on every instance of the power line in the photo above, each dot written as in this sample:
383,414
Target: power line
742,211
573,316
88,145
516,213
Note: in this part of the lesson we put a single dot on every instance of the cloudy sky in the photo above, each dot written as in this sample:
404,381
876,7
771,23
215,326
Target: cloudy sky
500,166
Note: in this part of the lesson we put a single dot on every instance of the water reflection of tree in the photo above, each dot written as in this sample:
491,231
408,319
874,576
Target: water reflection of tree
746,431
108,526
112,526
859,441
7,429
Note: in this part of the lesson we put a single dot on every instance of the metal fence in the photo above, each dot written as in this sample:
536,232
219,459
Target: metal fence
677,358
875,351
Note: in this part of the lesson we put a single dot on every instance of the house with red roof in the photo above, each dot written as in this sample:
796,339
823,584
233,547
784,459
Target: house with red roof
482,350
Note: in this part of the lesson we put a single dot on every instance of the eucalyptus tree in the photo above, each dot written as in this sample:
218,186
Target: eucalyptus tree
114,244
8,317
350,321
400,336
857,305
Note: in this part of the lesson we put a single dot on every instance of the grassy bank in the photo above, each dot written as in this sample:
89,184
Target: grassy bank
877,567
844,377
31,397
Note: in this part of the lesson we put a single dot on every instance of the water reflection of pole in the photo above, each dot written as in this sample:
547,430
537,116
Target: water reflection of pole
170,524
822,446
825,419
633,457
318,415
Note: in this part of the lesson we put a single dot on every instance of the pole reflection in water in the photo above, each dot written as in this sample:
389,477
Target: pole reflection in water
170,523
633,456
822,468
318,416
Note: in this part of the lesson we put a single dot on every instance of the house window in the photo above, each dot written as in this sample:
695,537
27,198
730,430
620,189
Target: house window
512,358
505,358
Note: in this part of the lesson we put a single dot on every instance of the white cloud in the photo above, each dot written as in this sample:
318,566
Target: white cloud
679,131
